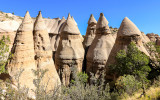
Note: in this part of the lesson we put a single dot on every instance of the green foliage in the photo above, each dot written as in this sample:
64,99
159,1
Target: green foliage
128,84
4,49
83,77
134,65
132,62
157,48
80,90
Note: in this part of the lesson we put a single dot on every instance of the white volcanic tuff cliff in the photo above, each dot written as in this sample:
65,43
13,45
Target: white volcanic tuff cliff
10,26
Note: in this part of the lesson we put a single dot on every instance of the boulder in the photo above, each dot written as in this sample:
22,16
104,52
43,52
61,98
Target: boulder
70,52
155,38
43,55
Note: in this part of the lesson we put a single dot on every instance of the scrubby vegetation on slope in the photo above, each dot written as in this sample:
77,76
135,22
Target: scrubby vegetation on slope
132,71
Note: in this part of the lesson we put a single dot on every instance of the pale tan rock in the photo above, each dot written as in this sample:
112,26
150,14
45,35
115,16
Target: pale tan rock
153,38
70,52
99,50
43,55
55,36
145,39
70,26
23,55
79,34
91,30
127,33
74,20
128,28
51,24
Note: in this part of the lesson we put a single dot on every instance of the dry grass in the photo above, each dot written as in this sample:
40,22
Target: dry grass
153,93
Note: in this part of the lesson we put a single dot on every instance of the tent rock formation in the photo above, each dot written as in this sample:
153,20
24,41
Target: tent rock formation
127,33
43,55
91,29
23,55
70,52
99,51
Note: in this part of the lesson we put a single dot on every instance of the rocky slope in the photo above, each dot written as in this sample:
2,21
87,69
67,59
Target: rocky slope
61,40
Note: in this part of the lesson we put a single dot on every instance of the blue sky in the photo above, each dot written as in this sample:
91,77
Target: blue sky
144,13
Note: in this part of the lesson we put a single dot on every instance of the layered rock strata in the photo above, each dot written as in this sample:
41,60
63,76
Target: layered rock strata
22,63
43,55
127,33
91,30
70,52
99,50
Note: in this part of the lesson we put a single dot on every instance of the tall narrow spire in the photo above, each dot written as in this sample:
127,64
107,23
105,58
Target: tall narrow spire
27,23
102,22
92,20
39,23
70,51
74,20
23,51
90,34
69,16
43,55
99,50
102,25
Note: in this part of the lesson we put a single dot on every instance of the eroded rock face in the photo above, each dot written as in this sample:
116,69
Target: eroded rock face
155,38
99,50
23,55
91,30
145,39
127,33
77,26
43,55
55,33
9,28
70,52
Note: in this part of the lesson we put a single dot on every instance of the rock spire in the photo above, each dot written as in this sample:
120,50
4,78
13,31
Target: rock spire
70,52
99,50
43,55
23,55
91,30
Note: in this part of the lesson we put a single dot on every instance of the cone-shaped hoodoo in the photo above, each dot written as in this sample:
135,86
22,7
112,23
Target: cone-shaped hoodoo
23,55
127,33
91,30
99,50
43,55
70,52
55,35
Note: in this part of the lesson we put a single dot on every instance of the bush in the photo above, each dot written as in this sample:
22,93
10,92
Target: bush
4,49
128,84
134,65
131,62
